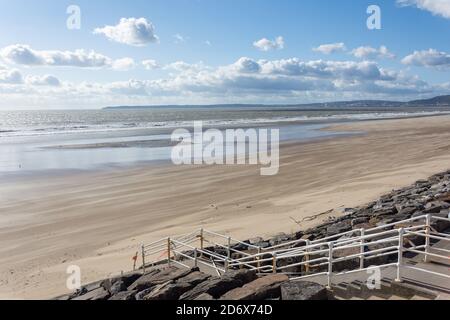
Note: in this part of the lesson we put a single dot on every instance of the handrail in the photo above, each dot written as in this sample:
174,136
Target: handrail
313,254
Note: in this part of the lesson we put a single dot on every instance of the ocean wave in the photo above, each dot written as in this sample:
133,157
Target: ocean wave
127,126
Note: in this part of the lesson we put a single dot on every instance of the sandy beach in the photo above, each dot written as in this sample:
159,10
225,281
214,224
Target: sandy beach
98,220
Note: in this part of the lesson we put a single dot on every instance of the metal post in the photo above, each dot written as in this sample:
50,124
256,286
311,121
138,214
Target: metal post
330,263
228,254
143,258
195,258
361,258
401,232
427,237
274,263
258,263
168,252
201,242
307,256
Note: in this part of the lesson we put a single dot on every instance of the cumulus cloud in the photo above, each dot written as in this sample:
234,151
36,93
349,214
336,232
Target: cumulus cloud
246,65
367,52
10,76
150,64
181,66
437,7
428,58
130,88
245,80
267,45
364,70
123,64
330,48
21,54
131,31
46,80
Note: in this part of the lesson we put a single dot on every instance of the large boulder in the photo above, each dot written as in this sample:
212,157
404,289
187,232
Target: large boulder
168,291
141,295
204,297
303,290
124,296
217,286
195,278
117,287
95,295
267,287
278,239
339,227
155,278
173,290
435,207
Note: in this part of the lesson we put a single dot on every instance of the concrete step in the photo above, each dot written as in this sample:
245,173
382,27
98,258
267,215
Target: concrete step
394,297
419,298
408,290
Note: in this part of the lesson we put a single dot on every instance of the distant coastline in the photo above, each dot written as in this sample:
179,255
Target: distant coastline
439,101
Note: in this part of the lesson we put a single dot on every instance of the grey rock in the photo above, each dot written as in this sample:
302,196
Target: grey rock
124,296
436,207
195,278
278,239
117,287
140,295
204,297
267,287
94,295
409,210
359,220
303,290
339,227
169,291
218,286
156,278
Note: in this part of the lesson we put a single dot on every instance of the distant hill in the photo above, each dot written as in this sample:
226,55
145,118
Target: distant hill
436,101
440,101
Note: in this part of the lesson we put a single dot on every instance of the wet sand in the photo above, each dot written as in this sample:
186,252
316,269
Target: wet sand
98,220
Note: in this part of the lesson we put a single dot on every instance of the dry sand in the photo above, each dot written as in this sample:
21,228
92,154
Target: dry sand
97,220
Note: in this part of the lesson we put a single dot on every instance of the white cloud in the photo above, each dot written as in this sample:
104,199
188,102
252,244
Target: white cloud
244,81
246,65
367,52
131,31
437,7
364,70
208,43
124,64
330,48
21,54
46,80
150,64
428,58
267,45
129,88
10,76
181,66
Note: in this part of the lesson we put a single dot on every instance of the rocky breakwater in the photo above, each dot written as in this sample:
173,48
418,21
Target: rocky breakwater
431,196
171,283
424,197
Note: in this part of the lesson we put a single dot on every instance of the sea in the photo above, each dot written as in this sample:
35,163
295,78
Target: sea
54,140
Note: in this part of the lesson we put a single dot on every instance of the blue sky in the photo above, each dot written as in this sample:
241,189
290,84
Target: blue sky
208,52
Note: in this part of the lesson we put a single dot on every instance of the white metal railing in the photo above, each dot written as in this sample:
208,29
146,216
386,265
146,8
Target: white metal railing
318,257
